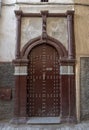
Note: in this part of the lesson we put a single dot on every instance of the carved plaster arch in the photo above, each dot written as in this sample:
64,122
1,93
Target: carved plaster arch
39,41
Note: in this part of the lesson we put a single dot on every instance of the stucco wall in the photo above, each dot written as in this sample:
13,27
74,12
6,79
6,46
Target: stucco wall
7,81
32,28
82,30
82,50
7,33
55,1
0,7
84,84
57,28
82,1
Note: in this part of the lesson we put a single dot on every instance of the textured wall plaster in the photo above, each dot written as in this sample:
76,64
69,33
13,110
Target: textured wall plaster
57,28
31,28
51,8
55,1
7,34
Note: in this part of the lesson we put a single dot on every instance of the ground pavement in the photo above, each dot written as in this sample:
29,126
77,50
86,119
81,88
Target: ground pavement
4,125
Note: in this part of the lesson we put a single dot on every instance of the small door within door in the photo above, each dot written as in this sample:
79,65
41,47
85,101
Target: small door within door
43,86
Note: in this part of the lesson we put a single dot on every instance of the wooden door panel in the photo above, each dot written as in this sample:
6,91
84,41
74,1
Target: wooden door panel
43,86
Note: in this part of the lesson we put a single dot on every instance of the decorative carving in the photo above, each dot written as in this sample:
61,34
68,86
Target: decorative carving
44,24
18,12
51,41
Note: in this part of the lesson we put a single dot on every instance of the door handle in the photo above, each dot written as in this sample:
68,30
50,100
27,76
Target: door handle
43,75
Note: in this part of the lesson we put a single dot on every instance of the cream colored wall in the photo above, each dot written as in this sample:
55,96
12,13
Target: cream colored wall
0,7
81,1
82,30
81,41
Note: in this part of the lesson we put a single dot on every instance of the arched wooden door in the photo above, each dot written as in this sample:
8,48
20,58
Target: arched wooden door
43,83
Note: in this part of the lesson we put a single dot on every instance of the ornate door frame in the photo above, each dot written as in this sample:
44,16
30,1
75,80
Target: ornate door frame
67,66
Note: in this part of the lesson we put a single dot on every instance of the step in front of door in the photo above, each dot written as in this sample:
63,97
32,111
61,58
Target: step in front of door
43,120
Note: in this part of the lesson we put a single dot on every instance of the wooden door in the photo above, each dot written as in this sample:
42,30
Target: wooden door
43,86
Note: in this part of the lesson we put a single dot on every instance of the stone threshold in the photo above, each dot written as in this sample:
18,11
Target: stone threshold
43,120
36,120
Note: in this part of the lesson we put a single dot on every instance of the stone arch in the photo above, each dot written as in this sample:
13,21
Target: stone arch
38,41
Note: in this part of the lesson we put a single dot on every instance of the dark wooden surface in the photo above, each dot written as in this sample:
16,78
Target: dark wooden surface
43,82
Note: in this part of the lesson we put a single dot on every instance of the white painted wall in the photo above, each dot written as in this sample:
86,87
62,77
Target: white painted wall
7,34
8,1
61,1
55,1
28,1
51,8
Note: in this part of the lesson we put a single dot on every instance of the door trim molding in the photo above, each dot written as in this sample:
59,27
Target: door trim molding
38,41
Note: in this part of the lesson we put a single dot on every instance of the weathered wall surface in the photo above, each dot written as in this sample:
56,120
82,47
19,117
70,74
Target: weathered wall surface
82,30
82,50
56,1
7,80
0,7
61,1
57,28
82,1
7,33
84,84
32,28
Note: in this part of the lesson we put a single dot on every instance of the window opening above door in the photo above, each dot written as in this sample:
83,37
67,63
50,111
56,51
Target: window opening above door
44,0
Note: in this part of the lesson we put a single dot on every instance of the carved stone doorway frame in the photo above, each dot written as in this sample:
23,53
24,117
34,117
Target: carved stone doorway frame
68,93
